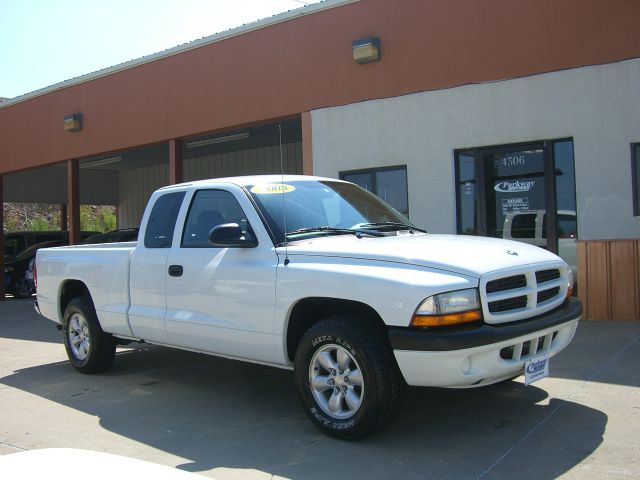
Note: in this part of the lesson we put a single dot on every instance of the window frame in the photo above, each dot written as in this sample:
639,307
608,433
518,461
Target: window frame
635,171
374,183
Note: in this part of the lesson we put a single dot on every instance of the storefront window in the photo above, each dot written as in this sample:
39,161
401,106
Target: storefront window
389,183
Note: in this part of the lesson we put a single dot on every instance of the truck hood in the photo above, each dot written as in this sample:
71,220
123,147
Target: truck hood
462,254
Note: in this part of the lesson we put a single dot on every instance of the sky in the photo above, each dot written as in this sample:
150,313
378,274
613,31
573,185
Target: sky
43,42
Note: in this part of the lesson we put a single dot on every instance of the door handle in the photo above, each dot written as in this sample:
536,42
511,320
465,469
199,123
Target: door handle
175,270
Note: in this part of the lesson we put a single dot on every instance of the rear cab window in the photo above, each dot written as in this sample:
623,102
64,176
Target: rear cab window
162,220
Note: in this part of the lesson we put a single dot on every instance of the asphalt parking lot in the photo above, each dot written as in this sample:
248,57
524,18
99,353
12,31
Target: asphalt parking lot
230,420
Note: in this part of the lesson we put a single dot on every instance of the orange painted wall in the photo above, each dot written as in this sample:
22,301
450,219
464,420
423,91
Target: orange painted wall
306,63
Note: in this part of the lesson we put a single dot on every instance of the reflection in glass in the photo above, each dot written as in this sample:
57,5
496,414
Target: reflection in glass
390,184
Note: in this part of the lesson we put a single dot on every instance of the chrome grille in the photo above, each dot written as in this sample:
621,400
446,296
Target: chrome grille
516,294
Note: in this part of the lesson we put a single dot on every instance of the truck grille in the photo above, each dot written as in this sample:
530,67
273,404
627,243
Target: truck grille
508,283
545,295
528,349
508,304
509,295
547,275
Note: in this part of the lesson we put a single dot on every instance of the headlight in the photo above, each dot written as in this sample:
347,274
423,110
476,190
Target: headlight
451,308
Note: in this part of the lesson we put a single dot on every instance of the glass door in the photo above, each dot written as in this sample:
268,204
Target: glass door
508,192
515,199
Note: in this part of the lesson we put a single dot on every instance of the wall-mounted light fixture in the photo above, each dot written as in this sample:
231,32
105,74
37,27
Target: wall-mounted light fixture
216,140
73,122
366,50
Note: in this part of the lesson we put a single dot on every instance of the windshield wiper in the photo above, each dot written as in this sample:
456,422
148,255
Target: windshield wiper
333,230
397,225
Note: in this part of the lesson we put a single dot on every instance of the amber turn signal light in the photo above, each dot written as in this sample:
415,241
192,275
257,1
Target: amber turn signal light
446,320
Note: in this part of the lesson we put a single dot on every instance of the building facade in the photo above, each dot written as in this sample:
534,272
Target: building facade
510,119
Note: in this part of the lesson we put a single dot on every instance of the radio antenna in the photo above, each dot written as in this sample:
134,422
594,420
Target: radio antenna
284,203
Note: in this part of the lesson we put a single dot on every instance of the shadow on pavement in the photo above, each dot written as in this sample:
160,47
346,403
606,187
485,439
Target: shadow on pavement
597,345
221,413
19,320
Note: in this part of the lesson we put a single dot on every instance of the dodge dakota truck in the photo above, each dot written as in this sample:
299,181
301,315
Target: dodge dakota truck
318,276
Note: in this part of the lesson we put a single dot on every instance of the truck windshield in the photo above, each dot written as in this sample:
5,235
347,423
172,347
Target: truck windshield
318,208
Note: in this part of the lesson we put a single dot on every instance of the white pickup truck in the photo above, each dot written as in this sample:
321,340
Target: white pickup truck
319,276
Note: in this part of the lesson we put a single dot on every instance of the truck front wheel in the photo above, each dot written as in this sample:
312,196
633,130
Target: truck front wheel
90,350
347,377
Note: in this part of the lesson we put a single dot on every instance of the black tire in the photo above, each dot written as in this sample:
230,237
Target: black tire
369,353
90,350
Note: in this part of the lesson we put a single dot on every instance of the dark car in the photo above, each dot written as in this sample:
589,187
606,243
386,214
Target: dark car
16,242
18,271
122,235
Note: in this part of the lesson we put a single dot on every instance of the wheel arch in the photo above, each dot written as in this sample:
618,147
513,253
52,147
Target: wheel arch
308,311
71,289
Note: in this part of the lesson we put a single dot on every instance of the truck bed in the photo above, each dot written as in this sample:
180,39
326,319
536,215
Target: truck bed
103,268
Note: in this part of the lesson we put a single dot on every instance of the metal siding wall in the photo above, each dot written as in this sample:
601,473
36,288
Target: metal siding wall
49,185
258,161
136,186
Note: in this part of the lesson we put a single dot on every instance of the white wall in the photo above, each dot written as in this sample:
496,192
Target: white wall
599,106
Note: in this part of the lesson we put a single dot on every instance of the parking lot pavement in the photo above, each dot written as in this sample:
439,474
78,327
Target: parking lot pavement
231,420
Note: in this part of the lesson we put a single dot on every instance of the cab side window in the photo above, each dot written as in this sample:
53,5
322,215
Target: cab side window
210,208
162,220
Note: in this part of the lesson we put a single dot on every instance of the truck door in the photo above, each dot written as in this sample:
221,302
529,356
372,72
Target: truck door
149,266
221,300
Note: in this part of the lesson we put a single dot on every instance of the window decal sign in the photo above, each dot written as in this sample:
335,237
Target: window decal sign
272,188
517,186
515,205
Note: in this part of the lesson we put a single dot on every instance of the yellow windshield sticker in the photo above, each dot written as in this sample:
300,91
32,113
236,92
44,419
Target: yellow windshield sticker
272,188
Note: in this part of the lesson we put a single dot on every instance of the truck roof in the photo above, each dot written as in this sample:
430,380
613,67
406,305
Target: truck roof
249,180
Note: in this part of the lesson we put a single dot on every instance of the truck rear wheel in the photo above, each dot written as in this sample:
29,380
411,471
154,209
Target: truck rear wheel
347,378
90,350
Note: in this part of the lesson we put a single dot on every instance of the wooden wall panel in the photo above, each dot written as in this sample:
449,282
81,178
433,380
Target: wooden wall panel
598,295
609,279
623,259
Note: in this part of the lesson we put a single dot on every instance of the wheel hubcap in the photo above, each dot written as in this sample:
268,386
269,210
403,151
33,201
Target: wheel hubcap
336,381
79,340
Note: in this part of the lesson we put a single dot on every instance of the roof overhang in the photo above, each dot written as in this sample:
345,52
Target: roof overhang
202,42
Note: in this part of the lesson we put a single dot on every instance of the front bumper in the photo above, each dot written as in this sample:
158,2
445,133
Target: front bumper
481,355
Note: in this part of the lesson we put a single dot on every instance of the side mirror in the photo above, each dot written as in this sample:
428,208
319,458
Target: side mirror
230,235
